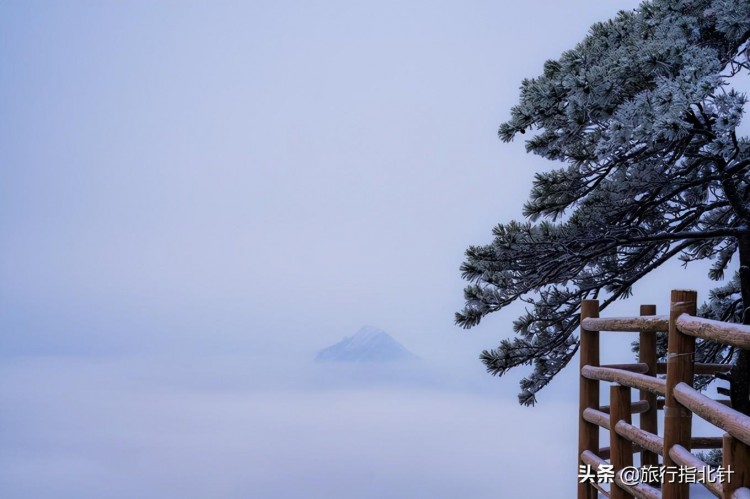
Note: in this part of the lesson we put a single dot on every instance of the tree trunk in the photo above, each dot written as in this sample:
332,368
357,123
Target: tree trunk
740,376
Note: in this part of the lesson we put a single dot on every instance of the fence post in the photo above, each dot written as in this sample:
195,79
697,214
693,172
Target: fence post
735,457
677,419
647,355
588,433
621,448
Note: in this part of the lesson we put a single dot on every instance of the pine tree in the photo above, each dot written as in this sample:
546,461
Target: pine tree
643,115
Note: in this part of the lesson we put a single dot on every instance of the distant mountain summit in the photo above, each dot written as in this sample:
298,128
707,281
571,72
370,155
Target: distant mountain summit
370,344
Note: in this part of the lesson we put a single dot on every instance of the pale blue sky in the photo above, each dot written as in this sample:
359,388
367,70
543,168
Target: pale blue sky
196,194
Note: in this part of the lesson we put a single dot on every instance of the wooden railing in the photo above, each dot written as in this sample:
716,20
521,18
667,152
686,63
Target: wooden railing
674,394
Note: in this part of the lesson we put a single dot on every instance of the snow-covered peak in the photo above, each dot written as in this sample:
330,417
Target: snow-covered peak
368,344
366,335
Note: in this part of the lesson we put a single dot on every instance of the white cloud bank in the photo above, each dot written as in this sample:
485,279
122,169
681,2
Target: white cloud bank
170,428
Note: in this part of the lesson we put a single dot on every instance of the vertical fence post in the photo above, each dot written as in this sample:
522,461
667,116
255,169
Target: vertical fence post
621,449
677,419
588,433
735,457
647,355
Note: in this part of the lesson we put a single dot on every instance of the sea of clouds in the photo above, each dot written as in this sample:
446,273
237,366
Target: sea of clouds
230,426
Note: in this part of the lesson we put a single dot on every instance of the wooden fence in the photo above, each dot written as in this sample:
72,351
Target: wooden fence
674,395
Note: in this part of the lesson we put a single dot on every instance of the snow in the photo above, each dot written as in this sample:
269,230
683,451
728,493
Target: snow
695,323
369,344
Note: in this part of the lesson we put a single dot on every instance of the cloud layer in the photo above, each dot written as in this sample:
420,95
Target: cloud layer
121,428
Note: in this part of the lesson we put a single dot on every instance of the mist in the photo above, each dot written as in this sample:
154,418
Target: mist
224,427
196,197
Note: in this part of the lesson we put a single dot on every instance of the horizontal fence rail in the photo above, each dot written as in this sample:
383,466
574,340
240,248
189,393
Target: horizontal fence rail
633,380
684,457
717,414
641,367
598,418
736,335
680,401
643,439
699,368
638,407
646,323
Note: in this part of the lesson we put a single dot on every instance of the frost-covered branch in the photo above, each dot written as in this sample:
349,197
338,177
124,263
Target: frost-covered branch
642,116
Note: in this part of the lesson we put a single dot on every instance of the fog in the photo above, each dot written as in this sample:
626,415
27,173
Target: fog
223,427
196,197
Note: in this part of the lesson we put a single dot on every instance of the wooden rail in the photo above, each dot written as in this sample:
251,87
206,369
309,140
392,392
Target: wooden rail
653,323
627,378
719,415
679,404
684,457
639,407
642,438
736,335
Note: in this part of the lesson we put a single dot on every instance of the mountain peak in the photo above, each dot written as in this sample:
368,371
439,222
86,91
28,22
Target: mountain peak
369,344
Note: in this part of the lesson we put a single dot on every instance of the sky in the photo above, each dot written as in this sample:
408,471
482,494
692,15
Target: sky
195,197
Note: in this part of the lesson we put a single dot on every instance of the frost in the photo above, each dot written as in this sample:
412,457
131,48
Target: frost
641,115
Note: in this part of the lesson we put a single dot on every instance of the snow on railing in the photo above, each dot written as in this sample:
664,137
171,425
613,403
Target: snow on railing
737,335
679,403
